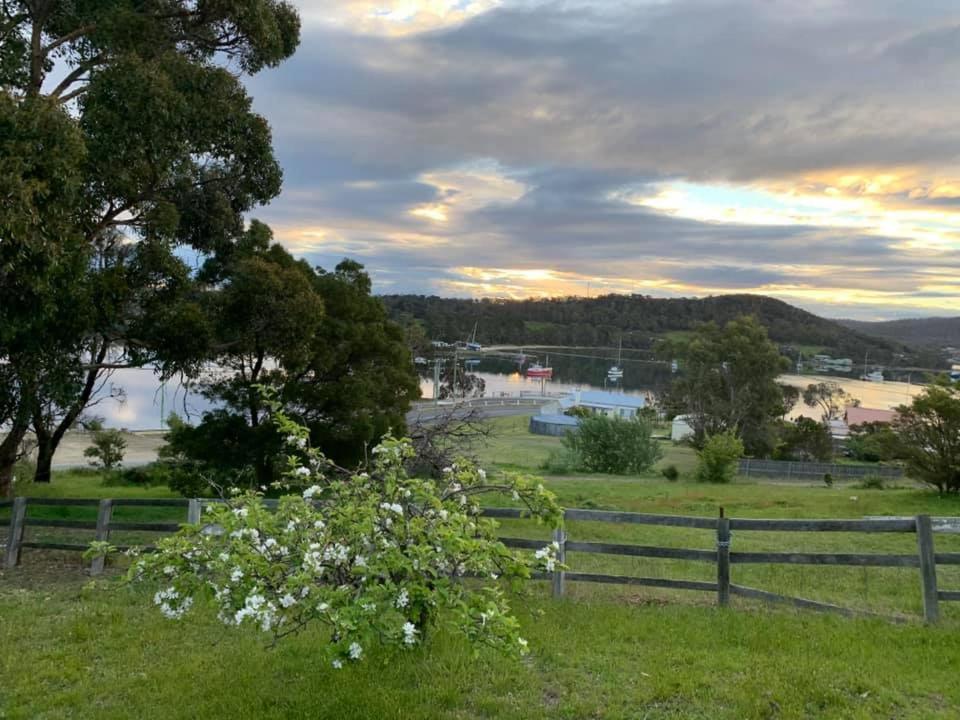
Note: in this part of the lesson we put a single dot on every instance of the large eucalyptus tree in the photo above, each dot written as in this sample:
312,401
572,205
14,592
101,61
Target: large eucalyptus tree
125,133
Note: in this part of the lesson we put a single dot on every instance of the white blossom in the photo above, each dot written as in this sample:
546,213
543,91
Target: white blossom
288,601
236,575
355,651
241,512
337,664
403,599
302,471
409,633
311,491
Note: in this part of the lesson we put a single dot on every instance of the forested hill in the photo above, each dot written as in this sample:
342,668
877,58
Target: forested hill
934,331
601,320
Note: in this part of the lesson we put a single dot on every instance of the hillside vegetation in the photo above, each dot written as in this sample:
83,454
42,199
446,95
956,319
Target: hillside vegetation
936,331
602,320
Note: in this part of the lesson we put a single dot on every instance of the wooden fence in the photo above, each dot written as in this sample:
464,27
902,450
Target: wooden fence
925,560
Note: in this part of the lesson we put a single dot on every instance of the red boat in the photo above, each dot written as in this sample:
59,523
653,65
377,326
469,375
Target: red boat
539,371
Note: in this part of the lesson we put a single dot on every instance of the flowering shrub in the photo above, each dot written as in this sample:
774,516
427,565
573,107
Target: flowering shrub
374,556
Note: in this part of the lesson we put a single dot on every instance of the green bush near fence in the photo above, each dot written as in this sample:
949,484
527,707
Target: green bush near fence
717,461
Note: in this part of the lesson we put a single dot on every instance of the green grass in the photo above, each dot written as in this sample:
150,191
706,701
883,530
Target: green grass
103,652
602,652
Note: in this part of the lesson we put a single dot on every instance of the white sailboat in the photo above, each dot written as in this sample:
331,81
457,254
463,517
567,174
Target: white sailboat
616,371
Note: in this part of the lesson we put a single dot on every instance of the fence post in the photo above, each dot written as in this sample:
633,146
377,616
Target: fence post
104,514
723,560
928,569
193,511
15,535
560,538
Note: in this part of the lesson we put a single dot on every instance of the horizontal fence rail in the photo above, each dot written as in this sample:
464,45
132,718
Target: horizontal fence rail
923,526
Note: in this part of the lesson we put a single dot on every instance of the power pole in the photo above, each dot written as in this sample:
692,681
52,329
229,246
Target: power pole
436,381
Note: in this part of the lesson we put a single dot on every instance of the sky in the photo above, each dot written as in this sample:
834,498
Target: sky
809,151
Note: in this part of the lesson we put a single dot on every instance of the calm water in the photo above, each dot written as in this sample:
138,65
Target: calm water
147,403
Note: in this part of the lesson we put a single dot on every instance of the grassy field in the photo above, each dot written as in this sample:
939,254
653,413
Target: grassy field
101,651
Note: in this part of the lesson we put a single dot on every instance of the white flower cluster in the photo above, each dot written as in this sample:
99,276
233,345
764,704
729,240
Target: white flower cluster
172,605
547,556
256,606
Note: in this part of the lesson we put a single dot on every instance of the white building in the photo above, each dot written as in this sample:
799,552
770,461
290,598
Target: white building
680,430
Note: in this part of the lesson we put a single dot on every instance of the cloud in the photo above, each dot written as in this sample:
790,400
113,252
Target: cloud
801,149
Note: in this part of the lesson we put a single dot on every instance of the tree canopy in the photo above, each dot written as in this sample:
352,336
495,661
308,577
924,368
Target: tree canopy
928,436
314,341
126,133
727,382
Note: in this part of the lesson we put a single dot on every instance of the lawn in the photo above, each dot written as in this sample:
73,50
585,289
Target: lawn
101,651
82,651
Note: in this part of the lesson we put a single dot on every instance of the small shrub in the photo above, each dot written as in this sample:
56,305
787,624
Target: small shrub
614,445
155,473
828,480
108,447
560,461
871,482
718,458
671,473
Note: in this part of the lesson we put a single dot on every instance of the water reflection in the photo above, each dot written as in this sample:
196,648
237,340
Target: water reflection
147,402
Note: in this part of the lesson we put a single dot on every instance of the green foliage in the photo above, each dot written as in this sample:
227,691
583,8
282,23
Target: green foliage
376,557
614,445
317,341
728,383
717,460
149,475
873,442
928,434
561,461
107,447
828,480
143,143
578,411
600,321
871,482
805,439
671,473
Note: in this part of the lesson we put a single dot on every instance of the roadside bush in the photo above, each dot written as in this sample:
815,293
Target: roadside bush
613,445
718,458
828,480
671,473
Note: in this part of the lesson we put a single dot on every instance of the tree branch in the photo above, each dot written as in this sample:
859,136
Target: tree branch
75,75
73,35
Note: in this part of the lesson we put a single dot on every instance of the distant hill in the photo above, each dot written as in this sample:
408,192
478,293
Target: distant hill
600,321
934,331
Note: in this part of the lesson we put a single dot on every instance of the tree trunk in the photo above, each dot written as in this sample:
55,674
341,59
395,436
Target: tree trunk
45,450
48,441
9,454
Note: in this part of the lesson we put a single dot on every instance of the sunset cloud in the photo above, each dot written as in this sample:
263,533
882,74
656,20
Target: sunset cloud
688,147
